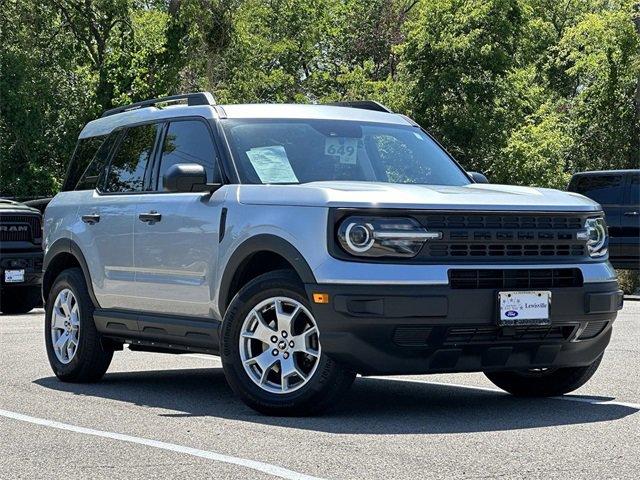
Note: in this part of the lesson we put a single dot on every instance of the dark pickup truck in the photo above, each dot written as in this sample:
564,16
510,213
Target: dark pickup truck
618,191
20,257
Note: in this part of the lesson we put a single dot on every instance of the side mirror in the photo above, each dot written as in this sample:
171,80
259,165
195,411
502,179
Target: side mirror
478,177
185,177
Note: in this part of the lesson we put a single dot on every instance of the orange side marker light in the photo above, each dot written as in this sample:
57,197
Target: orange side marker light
321,298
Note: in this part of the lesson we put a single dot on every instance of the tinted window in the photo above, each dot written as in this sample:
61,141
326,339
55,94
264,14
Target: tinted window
300,151
189,142
605,189
634,190
97,167
127,169
82,156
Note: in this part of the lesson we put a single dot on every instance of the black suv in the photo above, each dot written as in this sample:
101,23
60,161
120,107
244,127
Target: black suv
618,191
20,257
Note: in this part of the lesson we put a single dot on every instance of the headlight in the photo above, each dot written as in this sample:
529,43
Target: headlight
595,233
383,236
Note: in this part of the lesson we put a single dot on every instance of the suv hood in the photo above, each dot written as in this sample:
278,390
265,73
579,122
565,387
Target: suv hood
475,196
11,206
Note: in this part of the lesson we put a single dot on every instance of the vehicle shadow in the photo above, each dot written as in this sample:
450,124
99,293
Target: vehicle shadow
372,406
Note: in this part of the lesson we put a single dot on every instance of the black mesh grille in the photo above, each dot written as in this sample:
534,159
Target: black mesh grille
468,335
592,330
15,228
515,278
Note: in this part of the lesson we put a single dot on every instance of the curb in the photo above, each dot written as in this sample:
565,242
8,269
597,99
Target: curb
632,298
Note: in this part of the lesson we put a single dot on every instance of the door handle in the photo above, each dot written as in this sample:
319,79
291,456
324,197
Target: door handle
91,219
150,217
631,214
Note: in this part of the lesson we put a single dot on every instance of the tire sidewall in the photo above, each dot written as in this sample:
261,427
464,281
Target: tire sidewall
267,286
72,280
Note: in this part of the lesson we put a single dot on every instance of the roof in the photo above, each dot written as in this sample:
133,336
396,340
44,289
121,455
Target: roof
606,172
105,125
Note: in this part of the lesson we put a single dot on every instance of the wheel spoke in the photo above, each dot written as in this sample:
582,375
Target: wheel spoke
58,319
65,304
62,340
262,331
285,319
300,342
265,361
75,316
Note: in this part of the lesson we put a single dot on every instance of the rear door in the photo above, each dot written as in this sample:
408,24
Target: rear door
176,234
106,237
630,220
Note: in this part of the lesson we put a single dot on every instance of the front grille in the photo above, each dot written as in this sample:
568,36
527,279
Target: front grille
20,228
490,237
515,278
466,335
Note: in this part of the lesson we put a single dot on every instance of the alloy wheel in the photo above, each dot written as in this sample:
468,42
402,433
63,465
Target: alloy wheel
65,326
279,345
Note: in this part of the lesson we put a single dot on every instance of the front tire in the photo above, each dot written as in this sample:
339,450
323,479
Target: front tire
271,351
544,383
75,350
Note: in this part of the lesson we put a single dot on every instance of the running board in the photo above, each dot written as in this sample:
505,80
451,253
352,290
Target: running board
170,332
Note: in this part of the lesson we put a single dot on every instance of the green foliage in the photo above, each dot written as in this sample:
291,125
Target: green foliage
527,91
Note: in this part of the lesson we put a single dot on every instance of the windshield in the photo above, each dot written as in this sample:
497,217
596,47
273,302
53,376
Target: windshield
301,151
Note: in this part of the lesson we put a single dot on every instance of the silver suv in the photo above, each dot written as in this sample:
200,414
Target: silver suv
307,243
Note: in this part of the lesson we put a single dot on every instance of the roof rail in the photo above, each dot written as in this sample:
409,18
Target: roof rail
199,98
363,104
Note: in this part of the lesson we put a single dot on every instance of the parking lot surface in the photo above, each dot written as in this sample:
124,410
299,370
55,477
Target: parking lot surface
173,416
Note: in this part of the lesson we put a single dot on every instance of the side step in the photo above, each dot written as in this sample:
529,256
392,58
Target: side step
144,330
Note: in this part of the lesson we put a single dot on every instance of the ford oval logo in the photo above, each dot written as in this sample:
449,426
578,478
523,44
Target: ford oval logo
511,313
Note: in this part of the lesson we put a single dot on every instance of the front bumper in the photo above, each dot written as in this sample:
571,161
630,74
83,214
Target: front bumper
30,262
412,329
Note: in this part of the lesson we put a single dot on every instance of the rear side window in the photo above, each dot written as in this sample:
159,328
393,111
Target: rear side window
605,189
98,165
189,142
129,163
85,151
634,190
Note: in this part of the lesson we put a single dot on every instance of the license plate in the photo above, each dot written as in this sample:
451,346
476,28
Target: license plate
14,276
524,308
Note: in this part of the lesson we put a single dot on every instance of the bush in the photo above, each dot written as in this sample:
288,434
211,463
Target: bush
629,281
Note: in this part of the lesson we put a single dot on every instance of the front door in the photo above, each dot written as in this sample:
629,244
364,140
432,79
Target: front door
176,234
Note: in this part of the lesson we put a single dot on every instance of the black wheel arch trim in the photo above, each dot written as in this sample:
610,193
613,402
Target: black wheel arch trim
68,246
262,243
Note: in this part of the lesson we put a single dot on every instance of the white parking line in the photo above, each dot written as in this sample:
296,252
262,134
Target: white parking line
218,457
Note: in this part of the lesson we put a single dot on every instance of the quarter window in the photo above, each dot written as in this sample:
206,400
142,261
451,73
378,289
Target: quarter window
96,169
85,151
189,142
127,169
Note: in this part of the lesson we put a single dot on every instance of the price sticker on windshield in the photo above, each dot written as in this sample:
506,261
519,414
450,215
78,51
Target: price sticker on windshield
345,148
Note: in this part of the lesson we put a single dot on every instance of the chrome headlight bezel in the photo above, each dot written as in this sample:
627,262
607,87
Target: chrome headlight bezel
597,237
382,236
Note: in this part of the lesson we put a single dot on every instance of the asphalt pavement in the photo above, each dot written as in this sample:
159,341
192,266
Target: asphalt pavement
173,416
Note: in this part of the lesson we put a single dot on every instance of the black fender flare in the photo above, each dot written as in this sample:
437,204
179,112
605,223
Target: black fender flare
66,246
262,243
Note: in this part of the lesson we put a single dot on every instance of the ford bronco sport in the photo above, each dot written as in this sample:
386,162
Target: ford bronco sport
307,243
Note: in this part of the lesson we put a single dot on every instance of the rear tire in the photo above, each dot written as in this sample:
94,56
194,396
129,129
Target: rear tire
297,378
19,300
551,383
85,359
